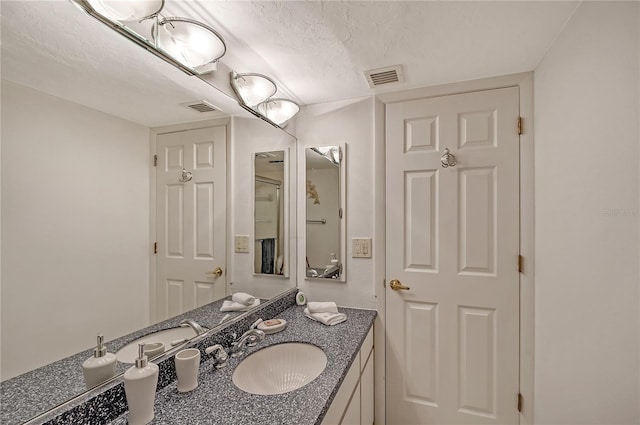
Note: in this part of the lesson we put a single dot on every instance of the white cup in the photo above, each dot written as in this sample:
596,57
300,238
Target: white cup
187,366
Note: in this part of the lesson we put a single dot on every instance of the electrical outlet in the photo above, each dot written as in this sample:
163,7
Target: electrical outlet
242,244
361,247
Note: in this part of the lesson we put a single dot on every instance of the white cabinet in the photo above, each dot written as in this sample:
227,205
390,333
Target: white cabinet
353,404
352,414
366,393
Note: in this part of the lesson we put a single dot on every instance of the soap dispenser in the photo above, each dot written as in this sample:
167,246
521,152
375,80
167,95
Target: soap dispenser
140,383
329,268
100,367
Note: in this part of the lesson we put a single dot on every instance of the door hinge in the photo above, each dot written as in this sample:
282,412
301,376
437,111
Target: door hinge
520,263
519,402
155,247
155,160
519,125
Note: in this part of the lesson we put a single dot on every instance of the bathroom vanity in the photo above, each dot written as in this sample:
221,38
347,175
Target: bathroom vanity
342,393
354,401
338,395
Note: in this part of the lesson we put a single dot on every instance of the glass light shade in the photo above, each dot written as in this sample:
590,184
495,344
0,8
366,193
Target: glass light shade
254,88
331,152
127,10
189,42
278,110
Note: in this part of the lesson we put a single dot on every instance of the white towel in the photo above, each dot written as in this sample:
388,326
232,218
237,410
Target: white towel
328,319
229,305
243,298
322,307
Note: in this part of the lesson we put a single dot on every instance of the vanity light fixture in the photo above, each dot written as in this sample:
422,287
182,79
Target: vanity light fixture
187,44
253,88
190,42
124,11
279,111
331,153
254,93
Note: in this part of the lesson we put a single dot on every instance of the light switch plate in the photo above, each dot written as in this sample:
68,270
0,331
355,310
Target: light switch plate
242,244
361,247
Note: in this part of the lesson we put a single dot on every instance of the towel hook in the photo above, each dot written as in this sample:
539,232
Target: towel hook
448,159
185,176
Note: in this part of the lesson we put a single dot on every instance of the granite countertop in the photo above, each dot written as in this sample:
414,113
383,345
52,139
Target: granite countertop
41,389
217,400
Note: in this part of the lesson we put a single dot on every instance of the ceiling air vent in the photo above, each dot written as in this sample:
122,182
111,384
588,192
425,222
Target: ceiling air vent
382,76
200,106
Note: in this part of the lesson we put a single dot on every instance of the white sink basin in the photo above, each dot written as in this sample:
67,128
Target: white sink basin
129,352
280,368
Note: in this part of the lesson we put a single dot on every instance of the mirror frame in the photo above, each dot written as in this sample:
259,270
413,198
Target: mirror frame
285,192
302,208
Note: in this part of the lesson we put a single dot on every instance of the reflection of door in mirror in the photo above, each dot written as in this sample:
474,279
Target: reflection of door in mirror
191,219
323,208
268,217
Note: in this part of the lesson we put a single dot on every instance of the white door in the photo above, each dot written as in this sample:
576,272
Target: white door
453,239
191,219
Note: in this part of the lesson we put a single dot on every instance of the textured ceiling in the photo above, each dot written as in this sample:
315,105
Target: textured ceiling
54,47
316,51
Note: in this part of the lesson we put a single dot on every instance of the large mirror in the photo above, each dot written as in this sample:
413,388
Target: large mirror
270,212
78,222
325,198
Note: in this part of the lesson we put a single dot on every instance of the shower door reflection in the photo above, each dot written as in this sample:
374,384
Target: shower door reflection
269,205
268,249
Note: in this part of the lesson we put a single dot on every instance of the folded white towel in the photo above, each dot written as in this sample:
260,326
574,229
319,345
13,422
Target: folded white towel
326,318
322,307
243,298
229,305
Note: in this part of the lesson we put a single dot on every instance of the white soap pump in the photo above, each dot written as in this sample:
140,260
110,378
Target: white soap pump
100,367
140,383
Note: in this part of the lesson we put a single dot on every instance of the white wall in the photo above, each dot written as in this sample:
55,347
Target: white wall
248,137
75,227
351,122
587,220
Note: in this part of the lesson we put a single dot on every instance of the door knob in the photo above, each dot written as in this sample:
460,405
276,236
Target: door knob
217,271
396,285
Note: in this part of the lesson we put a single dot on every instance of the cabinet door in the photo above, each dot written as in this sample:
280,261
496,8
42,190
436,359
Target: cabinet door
352,414
367,391
341,400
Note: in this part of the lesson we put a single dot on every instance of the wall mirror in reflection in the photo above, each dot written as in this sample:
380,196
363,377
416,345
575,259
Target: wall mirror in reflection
270,214
324,212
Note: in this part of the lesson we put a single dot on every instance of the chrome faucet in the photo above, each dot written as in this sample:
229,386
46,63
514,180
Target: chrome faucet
199,330
250,338
220,356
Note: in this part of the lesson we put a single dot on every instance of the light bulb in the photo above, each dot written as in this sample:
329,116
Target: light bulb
278,110
254,88
189,42
127,10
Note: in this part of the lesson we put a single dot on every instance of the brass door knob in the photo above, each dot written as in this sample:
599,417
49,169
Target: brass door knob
217,271
396,285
